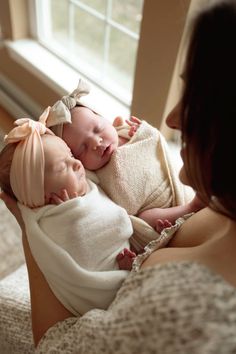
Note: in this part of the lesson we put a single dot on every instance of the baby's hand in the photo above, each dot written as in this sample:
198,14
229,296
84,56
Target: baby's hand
134,123
118,121
63,197
125,259
162,224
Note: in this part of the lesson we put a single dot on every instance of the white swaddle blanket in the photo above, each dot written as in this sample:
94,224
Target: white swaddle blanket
75,244
141,174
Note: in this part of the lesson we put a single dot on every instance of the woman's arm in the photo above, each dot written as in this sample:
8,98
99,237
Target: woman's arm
46,310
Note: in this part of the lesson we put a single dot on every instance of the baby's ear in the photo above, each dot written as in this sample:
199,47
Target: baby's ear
118,121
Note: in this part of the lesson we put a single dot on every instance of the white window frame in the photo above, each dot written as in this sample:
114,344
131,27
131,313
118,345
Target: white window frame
39,32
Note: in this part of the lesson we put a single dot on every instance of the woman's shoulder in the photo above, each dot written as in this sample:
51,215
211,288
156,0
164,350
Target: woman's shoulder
179,291
177,307
180,277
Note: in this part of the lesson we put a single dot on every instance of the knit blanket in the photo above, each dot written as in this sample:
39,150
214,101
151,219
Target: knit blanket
75,245
142,174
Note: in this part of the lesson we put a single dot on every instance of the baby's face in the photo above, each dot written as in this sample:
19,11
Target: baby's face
91,138
62,170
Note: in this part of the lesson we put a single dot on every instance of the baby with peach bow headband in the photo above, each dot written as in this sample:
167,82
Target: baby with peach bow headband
27,168
62,237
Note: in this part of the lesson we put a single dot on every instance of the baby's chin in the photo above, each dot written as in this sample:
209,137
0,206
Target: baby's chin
83,188
99,164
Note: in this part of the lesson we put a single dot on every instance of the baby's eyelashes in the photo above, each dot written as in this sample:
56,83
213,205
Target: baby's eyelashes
98,128
60,167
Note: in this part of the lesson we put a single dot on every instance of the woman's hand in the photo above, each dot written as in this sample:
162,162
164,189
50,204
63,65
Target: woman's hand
12,206
46,309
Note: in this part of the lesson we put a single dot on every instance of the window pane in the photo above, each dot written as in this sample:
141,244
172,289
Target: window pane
128,13
99,5
88,38
60,20
99,38
122,57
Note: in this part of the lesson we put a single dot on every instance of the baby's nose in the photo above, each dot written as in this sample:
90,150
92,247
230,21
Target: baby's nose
96,143
76,165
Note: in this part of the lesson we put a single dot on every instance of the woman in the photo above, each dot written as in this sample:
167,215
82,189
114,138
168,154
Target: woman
179,299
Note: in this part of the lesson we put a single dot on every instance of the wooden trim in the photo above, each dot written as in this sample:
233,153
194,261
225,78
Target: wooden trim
14,19
161,32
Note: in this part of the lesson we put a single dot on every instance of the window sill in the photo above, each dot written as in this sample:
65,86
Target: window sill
60,77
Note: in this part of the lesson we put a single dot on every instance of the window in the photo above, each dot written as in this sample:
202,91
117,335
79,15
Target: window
99,38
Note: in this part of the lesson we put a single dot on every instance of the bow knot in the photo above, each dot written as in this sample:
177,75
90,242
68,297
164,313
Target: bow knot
26,126
69,102
60,111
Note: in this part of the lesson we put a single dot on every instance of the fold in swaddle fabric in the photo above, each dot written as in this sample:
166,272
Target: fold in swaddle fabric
142,174
75,245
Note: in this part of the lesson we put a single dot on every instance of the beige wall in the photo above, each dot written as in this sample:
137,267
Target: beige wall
25,80
161,34
14,19
14,23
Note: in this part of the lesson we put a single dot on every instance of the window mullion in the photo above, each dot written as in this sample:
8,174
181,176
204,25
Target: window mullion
107,37
71,26
88,9
123,29
45,28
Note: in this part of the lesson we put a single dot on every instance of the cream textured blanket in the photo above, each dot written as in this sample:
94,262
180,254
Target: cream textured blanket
75,245
142,174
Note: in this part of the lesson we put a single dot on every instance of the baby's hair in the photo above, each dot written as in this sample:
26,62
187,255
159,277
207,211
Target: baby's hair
81,106
6,156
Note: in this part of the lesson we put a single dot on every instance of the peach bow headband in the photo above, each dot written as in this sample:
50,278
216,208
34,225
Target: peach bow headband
27,169
60,111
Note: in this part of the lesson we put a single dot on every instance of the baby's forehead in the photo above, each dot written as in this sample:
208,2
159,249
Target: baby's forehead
52,141
84,112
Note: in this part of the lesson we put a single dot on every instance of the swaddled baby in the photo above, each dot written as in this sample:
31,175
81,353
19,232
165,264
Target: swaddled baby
76,242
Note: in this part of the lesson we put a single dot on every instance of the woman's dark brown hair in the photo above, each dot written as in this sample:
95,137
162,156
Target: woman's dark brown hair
208,119
6,156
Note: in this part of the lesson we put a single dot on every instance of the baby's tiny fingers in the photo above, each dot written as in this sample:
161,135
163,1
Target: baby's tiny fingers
64,195
135,120
160,222
132,131
118,121
167,223
129,122
54,199
120,256
75,195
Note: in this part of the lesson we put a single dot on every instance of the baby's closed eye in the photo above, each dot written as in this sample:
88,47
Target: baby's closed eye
62,166
98,128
